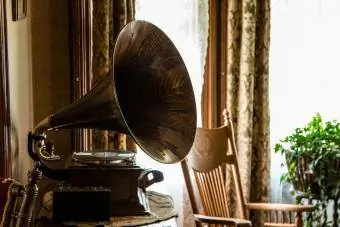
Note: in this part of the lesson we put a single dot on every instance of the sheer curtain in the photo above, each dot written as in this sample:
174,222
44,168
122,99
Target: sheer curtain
304,71
185,22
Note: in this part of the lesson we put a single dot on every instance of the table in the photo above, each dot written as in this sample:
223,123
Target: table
162,214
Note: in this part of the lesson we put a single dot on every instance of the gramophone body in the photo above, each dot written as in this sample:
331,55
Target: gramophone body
147,96
122,187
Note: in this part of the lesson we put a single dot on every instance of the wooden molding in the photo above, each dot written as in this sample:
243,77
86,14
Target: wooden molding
215,75
223,59
19,10
81,42
5,117
209,87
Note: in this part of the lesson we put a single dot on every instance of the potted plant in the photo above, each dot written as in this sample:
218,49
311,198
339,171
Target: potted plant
312,157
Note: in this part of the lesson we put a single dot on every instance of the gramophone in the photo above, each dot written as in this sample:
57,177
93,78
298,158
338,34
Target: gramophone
148,95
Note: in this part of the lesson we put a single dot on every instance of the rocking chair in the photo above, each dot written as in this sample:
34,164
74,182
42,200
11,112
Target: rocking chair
214,151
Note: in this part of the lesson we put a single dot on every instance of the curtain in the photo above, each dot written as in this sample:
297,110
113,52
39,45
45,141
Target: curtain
109,17
248,26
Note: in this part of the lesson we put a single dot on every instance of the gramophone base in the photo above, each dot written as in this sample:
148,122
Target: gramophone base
133,207
80,204
128,209
91,204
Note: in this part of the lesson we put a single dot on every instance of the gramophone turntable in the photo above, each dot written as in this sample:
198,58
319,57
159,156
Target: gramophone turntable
148,96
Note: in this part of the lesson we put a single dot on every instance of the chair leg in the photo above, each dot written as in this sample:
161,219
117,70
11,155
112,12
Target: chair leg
298,220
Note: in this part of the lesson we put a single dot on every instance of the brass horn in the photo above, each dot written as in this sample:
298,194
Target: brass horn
148,96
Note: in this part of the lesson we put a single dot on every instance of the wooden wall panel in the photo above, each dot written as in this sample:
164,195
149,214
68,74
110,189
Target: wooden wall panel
5,122
81,41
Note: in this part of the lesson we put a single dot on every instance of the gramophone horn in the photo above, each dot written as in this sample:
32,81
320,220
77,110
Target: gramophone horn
148,96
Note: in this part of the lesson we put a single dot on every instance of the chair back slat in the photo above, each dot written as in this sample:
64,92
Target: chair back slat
212,190
290,217
219,187
215,194
280,217
224,191
203,191
284,217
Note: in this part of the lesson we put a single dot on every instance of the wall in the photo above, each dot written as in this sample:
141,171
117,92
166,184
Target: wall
20,80
51,64
39,71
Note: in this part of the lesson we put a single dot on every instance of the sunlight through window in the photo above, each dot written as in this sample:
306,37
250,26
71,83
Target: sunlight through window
304,70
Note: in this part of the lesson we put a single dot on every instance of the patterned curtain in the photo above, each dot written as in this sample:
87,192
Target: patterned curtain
109,17
247,92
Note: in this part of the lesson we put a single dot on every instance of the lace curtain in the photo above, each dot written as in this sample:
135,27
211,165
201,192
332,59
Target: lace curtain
304,71
186,23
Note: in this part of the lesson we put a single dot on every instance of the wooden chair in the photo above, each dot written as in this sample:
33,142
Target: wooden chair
214,151
17,200
11,192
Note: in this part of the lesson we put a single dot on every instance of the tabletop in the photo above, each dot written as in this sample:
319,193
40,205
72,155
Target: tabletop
162,214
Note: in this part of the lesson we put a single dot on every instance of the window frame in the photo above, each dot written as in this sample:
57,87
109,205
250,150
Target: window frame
214,94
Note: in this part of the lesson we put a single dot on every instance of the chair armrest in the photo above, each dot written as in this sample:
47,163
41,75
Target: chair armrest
280,207
268,224
221,220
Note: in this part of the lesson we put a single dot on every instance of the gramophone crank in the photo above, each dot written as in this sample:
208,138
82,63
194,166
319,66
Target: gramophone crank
148,96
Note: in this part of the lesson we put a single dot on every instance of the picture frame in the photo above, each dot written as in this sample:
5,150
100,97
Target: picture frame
19,9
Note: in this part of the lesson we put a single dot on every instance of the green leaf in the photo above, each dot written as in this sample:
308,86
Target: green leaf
314,147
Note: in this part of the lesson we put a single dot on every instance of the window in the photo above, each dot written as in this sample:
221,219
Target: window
304,70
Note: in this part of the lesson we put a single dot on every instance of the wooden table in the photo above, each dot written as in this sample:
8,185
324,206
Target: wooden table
162,214
172,222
